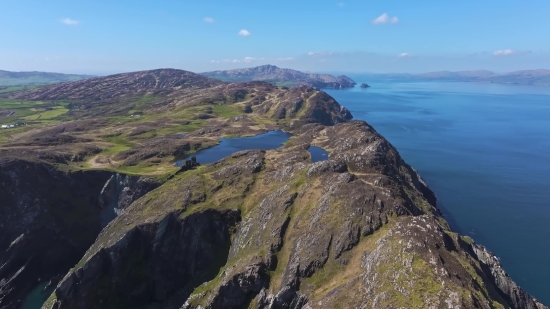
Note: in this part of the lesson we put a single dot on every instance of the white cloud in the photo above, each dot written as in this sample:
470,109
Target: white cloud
404,55
315,54
249,59
385,19
209,19
510,52
69,22
244,32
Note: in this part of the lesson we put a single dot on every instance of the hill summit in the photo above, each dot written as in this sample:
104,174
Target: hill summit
283,77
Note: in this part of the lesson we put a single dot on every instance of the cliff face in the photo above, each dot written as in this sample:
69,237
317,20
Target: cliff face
49,218
272,230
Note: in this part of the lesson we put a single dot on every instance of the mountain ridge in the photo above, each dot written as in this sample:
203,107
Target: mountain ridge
539,77
9,78
271,73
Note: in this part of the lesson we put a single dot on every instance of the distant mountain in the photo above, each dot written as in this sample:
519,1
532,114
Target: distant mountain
36,78
526,77
283,77
458,75
153,82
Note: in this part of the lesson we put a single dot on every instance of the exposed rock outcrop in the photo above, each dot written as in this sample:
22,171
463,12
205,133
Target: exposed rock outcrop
509,290
358,230
48,219
122,190
158,263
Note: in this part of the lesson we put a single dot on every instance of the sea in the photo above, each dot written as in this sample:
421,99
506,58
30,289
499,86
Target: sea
484,149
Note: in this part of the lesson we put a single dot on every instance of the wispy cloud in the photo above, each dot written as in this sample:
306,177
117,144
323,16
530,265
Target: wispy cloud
244,33
385,19
404,55
340,4
510,52
317,54
69,22
209,19
249,59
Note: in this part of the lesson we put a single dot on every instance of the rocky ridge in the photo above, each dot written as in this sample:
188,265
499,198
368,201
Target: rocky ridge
289,234
275,74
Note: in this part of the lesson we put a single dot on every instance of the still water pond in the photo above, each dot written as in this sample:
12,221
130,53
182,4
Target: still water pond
268,141
318,154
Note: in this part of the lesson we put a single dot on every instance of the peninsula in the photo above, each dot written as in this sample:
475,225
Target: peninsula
95,212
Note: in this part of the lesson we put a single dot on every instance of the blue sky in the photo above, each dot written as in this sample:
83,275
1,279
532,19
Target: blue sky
107,36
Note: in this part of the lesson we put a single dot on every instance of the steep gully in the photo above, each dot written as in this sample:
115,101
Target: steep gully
49,218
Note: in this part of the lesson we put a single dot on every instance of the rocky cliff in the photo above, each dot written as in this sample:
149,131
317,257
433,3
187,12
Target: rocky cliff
273,230
271,73
49,218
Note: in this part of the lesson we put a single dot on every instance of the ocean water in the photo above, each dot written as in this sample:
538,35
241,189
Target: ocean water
484,149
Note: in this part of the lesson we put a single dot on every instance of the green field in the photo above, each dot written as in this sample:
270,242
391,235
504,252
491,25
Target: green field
31,113
17,88
25,111
47,115
226,111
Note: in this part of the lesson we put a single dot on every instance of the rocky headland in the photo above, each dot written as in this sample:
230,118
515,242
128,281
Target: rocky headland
273,74
257,229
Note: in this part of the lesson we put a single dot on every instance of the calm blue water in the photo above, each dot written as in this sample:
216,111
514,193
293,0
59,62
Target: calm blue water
484,149
267,141
36,298
318,154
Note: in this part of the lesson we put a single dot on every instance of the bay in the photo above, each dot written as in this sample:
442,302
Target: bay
484,149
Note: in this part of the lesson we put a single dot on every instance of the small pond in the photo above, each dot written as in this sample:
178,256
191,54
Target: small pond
227,146
318,154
